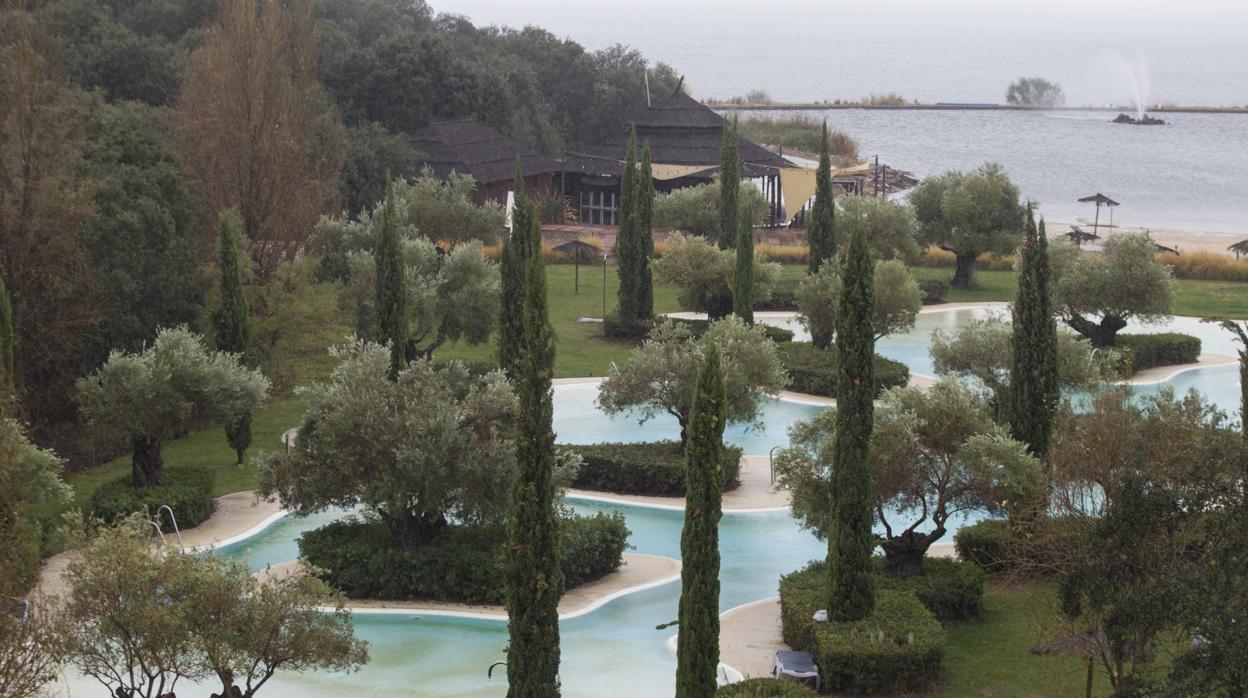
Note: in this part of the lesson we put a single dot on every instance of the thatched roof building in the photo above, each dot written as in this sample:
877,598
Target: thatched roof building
469,147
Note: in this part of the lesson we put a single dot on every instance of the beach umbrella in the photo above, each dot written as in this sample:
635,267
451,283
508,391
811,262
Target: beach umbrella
1100,200
1239,248
1085,645
578,250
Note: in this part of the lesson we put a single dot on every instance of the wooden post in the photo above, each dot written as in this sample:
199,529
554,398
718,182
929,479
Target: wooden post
577,264
604,286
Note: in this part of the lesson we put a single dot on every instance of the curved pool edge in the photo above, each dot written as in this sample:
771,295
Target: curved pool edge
584,496
730,673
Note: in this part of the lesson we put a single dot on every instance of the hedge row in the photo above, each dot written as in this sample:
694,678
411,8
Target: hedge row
764,688
463,564
615,328
655,468
813,371
934,290
898,649
186,490
951,589
1143,351
783,296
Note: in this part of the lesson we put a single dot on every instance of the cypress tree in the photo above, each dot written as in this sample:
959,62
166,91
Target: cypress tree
534,578
512,264
391,285
1033,393
743,279
645,298
850,541
7,381
230,324
821,231
729,187
697,649
629,248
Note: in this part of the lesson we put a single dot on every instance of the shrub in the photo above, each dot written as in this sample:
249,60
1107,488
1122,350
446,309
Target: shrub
462,564
764,688
934,290
813,371
1205,266
699,328
615,328
990,261
783,296
933,256
1143,351
656,468
899,648
985,544
951,589
188,491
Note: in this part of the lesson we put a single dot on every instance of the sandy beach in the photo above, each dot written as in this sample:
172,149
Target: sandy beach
1181,240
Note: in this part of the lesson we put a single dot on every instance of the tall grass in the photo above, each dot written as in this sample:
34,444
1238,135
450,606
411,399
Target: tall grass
798,132
933,256
1205,266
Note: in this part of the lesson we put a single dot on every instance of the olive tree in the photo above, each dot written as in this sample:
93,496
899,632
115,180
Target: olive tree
141,398
898,300
980,349
143,619
30,479
890,227
934,454
703,274
450,296
969,213
435,445
659,376
695,210
1098,294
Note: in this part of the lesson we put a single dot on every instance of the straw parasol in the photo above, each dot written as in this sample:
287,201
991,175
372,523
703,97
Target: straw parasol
1239,248
578,250
1100,200
1085,645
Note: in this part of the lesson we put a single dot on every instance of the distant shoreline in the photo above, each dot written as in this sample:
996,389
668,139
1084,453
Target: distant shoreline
962,106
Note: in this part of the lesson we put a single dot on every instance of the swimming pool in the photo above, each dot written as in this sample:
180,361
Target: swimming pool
615,650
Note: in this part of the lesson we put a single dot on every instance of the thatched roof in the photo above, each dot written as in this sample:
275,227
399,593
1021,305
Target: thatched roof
579,249
1099,199
469,147
680,131
1240,247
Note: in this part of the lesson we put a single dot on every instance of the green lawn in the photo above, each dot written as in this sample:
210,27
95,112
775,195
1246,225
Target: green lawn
991,657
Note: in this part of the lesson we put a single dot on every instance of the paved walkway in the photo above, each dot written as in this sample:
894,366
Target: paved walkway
638,573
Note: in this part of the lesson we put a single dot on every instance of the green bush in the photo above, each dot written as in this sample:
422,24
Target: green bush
462,564
934,290
188,491
985,543
899,648
813,371
615,328
951,589
699,327
656,468
783,296
764,688
1143,351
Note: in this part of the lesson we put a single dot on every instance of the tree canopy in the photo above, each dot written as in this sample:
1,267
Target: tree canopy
934,454
140,399
1097,295
704,275
30,479
1035,92
969,213
660,375
890,226
695,210
898,300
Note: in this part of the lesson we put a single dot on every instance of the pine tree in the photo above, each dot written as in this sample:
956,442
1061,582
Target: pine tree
534,578
1033,392
629,247
743,279
7,382
230,324
697,650
850,540
391,285
645,299
821,231
512,265
729,187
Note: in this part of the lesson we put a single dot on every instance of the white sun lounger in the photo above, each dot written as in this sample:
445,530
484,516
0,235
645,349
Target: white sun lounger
799,665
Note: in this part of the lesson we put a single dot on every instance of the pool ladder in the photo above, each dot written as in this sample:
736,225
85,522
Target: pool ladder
156,524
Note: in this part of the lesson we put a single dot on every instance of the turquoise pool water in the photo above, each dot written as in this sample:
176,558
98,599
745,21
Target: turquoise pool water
615,651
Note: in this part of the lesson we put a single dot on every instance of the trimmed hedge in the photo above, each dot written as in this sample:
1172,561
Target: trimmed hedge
813,371
655,468
764,688
899,648
699,327
1164,349
463,564
951,589
188,491
615,328
934,290
783,296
